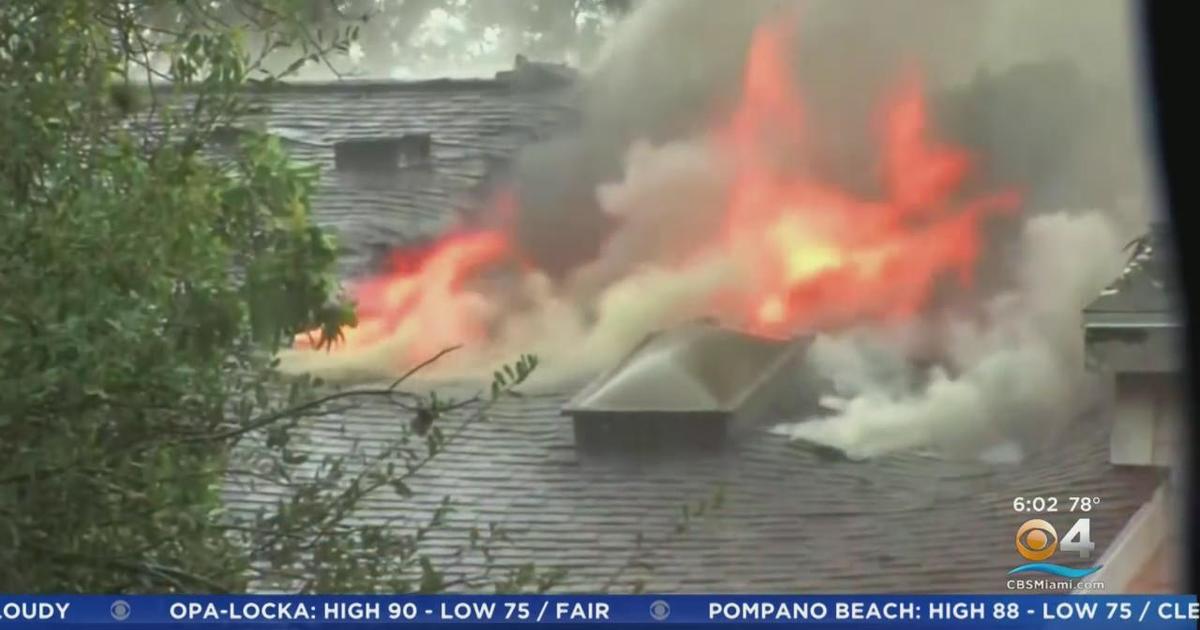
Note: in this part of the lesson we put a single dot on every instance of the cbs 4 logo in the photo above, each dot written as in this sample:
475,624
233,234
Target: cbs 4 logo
1037,539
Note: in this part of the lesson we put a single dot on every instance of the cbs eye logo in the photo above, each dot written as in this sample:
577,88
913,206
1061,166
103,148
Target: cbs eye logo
1038,540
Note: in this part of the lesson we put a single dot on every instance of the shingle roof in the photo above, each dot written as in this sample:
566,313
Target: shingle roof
476,127
1143,294
794,520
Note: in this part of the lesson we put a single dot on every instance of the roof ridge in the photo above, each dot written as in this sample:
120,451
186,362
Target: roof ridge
442,84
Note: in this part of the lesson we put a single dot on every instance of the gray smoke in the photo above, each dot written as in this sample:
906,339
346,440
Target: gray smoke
1041,92
1017,376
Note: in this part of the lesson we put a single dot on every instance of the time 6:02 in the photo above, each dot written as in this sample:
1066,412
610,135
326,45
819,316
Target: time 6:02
1035,504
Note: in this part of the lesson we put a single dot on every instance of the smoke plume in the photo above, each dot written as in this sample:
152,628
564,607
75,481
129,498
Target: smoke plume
1044,94
947,316
1012,377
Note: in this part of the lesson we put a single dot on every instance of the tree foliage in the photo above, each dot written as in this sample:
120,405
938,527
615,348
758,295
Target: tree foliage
147,285
439,35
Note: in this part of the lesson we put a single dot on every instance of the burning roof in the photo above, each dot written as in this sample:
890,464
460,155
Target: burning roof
797,254
849,524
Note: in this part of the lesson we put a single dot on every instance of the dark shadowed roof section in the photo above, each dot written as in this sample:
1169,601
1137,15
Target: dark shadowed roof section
474,128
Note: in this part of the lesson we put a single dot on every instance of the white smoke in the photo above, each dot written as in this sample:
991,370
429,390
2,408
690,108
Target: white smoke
669,201
1019,372
650,299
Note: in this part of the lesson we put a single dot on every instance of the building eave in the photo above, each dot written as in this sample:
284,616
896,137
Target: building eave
1126,320
1133,547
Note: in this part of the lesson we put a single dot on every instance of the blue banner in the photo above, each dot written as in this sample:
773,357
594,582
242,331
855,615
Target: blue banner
834,611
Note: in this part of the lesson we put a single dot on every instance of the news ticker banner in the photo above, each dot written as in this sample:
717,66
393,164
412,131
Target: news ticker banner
951,611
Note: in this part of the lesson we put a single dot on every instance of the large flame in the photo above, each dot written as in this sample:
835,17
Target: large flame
819,257
809,255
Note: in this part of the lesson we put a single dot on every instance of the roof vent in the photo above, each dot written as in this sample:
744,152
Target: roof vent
526,74
690,388
383,154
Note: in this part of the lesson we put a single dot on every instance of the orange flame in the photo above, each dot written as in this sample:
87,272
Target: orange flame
422,288
814,257
818,257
